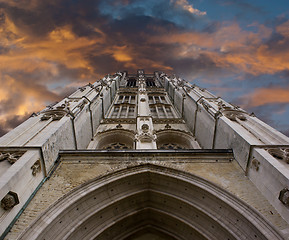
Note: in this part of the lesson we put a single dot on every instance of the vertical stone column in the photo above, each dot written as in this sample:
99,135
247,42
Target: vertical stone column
145,139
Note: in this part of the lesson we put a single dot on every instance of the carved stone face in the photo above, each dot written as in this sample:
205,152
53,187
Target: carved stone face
145,128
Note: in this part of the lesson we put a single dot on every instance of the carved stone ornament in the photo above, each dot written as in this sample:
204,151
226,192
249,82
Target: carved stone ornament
280,153
233,113
145,128
142,99
11,157
82,89
163,74
36,167
180,82
255,164
119,74
82,104
202,89
9,201
168,126
188,88
145,137
118,126
205,105
54,114
284,196
57,112
103,82
142,91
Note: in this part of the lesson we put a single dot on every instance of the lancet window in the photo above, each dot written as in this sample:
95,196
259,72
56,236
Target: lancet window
131,82
160,107
150,82
124,107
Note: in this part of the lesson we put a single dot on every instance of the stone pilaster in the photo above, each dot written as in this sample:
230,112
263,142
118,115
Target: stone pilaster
145,139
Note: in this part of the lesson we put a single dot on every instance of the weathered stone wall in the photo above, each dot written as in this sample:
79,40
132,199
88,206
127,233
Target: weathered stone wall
71,174
217,124
20,179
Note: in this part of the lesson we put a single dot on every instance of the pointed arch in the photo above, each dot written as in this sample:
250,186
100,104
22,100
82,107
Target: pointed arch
175,139
114,139
175,203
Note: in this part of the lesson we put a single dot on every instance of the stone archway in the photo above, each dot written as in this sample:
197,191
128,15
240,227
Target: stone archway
148,198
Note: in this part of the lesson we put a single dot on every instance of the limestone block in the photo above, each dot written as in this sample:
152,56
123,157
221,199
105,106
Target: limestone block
204,131
83,130
230,134
189,113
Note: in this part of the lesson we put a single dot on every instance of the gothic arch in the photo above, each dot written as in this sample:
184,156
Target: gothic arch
115,139
175,139
139,198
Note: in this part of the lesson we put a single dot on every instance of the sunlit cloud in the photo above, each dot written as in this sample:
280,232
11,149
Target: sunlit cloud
120,54
188,7
232,47
265,96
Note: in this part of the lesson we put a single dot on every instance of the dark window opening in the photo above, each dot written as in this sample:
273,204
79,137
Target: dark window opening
150,82
131,82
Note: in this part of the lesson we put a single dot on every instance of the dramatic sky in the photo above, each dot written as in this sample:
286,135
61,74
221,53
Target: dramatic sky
238,49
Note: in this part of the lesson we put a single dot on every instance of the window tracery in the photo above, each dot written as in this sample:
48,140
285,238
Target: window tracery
150,82
124,107
116,146
160,107
131,82
171,146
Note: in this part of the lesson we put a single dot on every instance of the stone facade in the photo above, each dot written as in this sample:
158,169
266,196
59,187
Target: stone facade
171,145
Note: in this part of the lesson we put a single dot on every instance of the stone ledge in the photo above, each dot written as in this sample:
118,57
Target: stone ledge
193,155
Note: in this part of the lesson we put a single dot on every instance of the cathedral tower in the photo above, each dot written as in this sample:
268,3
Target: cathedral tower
144,156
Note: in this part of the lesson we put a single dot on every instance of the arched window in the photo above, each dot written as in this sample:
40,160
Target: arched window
131,82
150,82
115,140
174,140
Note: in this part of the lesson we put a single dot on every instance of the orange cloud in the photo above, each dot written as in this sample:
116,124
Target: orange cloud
120,54
60,46
234,48
264,96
